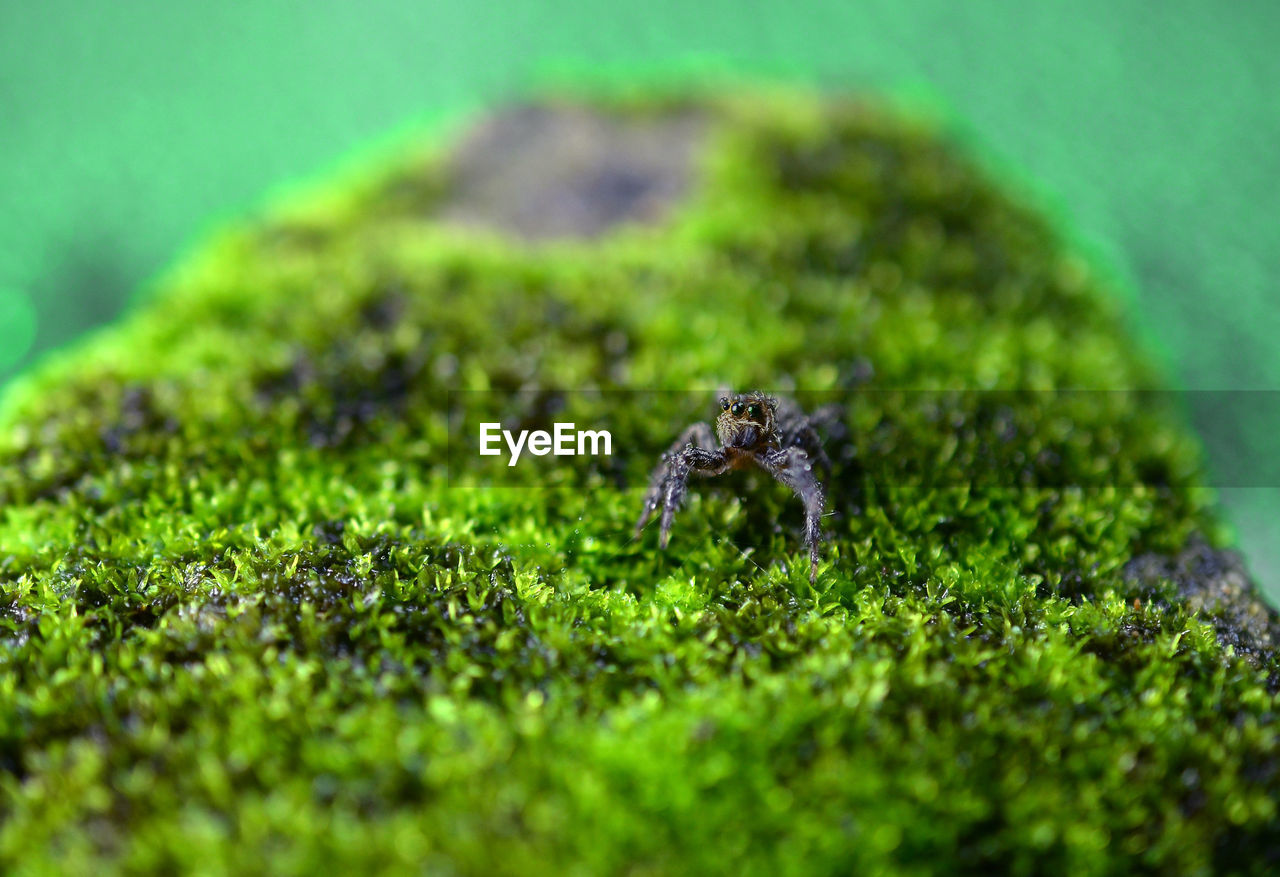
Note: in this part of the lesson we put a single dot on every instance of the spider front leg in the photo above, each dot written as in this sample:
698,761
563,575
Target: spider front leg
692,452
794,468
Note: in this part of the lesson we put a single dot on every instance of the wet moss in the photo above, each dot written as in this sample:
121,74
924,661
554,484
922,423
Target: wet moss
1213,582
252,614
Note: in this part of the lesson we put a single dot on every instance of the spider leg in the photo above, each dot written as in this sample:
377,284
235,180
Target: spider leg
691,459
697,434
800,430
794,468
689,453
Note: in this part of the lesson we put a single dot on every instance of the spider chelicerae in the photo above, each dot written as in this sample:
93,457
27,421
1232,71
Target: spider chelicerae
753,429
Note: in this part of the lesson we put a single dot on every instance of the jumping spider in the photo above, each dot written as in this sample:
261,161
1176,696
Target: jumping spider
753,428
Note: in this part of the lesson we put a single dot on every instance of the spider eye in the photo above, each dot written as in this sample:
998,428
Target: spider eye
724,404
737,409
754,410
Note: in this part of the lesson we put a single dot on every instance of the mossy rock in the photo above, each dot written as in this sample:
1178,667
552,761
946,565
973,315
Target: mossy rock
252,622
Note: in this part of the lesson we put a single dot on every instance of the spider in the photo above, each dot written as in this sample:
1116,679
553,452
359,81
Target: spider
753,428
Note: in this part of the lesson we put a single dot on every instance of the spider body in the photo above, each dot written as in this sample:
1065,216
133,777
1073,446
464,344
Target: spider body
753,429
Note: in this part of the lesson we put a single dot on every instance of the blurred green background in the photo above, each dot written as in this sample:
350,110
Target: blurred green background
130,128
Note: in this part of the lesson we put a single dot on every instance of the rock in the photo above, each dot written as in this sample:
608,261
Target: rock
1215,583
253,618
563,171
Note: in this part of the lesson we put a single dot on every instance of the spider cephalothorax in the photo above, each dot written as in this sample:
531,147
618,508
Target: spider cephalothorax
753,429
746,421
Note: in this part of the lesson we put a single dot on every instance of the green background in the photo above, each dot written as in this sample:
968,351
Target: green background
129,129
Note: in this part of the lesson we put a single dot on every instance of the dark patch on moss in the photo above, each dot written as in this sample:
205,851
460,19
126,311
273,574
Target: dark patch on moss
329,532
562,171
1119,642
385,310
344,394
128,424
1214,582
1247,850
138,414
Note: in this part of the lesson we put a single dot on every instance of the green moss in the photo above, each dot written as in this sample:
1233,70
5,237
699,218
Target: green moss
248,624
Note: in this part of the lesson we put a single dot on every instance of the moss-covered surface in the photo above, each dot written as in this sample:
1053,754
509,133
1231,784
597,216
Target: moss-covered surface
248,625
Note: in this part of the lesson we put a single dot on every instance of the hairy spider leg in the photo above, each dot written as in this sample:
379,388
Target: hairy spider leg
796,429
691,459
697,437
794,468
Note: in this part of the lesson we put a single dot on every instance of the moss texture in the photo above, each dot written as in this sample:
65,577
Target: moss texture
248,625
